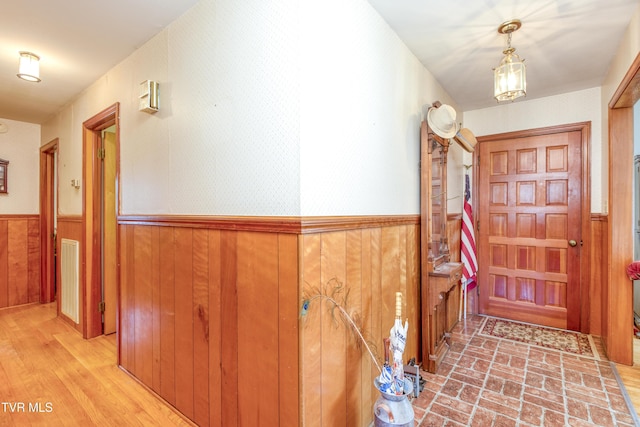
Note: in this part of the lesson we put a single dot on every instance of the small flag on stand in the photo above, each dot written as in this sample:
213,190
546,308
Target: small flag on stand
468,246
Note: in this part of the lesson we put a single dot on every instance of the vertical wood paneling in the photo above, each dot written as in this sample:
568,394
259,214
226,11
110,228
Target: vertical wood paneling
288,308
130,300
257,277
17,255
310,335
224,305
201,326
184,320
354,356
143,298
215,332
412,293
167,314
598,266
368,369
4,263
156,311
375,263
33,261
390,275
333,335
377,330
229,327
19,260
124,307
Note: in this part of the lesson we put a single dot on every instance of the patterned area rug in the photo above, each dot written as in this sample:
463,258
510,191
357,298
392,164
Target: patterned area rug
541,336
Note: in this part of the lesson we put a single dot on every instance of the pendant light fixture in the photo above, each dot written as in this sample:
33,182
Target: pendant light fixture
29,67
510,80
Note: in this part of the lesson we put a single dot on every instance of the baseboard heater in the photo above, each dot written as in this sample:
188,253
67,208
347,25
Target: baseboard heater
69,271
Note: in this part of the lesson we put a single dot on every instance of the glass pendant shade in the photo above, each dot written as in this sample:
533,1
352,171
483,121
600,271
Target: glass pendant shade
29,67
510,79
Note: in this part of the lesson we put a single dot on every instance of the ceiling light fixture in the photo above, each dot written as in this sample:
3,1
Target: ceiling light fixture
510,80
29,67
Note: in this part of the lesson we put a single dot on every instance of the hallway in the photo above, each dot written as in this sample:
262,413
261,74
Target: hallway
50,376
485,381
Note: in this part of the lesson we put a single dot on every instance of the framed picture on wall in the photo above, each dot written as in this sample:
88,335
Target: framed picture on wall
4,165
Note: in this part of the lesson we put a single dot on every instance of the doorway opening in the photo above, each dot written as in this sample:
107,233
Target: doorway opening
48,222
101,207
617,326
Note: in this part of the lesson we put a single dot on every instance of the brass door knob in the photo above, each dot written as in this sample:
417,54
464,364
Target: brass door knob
572,243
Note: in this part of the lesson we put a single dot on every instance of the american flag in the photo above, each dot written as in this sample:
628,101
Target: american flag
468,244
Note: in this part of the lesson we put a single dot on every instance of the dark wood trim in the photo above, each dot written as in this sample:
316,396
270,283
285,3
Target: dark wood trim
48,179
618,308
92,239
104,118
626,95
293,225
619,331
19,216
70,218
534,132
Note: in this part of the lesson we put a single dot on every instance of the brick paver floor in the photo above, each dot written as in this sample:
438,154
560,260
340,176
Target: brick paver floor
491,382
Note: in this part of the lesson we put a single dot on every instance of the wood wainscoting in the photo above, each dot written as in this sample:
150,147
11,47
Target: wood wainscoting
598,266
19,259
210,313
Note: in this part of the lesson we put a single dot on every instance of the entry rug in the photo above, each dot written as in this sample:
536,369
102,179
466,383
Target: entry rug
556,339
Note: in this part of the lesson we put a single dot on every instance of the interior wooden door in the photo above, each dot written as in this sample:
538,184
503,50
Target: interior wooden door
48,211
529,212
109,254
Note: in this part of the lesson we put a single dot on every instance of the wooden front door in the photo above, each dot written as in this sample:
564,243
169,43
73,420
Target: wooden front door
529,213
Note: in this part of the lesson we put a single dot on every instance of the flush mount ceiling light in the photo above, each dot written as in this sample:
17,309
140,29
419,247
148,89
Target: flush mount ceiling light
510,80
29,67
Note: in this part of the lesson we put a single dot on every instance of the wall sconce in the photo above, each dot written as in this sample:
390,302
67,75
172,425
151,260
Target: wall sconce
29,67
75,183
510,80
148,96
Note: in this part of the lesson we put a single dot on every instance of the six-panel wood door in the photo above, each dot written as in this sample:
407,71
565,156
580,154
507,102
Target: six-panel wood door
529,214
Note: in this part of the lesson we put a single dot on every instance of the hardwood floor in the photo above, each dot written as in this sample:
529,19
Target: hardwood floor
50,375
630,376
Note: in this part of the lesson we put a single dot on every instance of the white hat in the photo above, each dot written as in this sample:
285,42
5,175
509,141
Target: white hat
442,121
467,139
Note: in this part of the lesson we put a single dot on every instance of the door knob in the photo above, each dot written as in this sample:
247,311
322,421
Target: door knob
572,243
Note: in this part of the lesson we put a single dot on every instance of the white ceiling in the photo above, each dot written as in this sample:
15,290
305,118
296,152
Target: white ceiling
78,41
567,44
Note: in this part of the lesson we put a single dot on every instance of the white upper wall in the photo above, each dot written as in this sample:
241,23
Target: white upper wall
271,108
572,107
625,55
363,97
21,147
226,138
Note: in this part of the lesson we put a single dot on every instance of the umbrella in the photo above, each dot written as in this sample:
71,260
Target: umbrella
385,380
398,340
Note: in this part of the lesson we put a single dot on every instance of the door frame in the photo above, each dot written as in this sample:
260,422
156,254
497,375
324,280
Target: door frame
585,204
617,309
48,193
91,216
